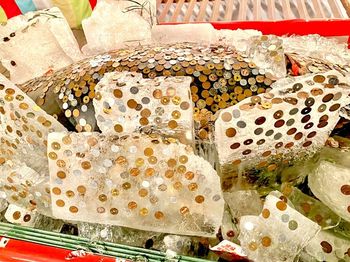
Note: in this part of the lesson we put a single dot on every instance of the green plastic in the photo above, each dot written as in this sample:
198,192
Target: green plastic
74,242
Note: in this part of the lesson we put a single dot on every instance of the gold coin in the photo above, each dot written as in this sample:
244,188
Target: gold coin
118,128
60,203
143,211
199,199
70,193
53,155
281,205
40,101
16,215
86,165
148,151
132,103
265,213
266,241
81,189
143,192
184,210
61,174
192,187
132,205
56,191
114,211
73,209
159,215
149,172
172,124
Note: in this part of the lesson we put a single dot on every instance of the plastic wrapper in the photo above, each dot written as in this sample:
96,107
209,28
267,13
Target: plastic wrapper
229,251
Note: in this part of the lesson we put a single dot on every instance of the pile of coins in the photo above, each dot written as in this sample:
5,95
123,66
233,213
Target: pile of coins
221,77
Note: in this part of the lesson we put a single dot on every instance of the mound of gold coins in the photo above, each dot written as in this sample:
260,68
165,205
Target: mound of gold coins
221,77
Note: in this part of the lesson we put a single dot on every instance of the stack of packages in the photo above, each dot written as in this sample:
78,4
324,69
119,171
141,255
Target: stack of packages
183,135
